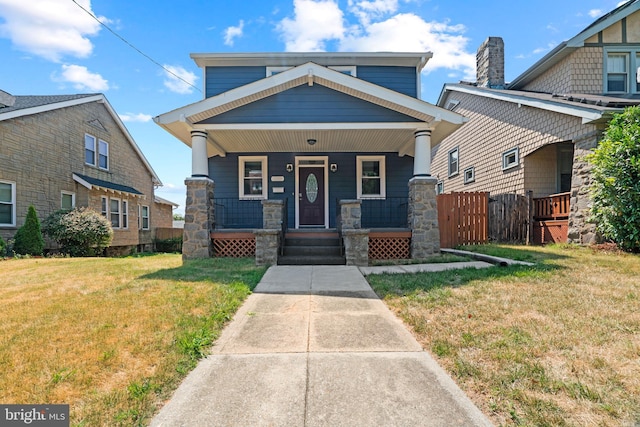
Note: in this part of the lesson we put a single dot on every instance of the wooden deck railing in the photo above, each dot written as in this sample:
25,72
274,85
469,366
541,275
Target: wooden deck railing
553,207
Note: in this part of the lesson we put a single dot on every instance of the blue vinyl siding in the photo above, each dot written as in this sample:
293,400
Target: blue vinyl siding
400,79
342,184
223,79
310,104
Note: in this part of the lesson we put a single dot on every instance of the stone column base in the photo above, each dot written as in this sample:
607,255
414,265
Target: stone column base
356,247
267,246
198,219
423,217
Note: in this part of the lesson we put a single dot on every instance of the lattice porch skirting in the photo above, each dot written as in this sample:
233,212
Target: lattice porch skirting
389,244
233,245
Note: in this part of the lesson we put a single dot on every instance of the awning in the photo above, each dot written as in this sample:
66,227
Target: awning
99,184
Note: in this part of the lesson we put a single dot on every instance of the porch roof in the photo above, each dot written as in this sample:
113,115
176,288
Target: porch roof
332,137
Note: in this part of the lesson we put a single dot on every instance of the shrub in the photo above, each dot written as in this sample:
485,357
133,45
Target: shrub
3,247
615,187
169,245
79,232
28,238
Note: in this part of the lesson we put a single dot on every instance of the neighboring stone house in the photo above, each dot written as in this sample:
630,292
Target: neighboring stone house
532,134
62,151
302,145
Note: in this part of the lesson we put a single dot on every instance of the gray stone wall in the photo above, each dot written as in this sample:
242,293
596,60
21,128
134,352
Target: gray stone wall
198,219
355,239
272,214
350,215
490,63
582,231
423,217
267,246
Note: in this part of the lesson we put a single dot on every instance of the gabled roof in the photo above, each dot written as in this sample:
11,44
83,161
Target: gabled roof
590,108
162,201
565,48
35,104
99,184
181,121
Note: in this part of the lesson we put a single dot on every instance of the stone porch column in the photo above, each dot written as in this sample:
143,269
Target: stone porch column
355,238
422,158
199,157
198,218
269,237
581,231
423,217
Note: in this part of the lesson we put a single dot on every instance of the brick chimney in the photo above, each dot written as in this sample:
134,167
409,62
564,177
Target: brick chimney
490,63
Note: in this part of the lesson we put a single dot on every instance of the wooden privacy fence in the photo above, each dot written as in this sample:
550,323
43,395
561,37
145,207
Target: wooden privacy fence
510,218
463,218
168,233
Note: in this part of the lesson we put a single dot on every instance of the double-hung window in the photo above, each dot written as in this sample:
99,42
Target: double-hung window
114,213
371,177
103,154
7,204
144,217
125,214
252,177
90,149
453,161
96,152
68,201
617,72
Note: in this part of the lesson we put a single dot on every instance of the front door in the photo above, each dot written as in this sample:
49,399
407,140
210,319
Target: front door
311,196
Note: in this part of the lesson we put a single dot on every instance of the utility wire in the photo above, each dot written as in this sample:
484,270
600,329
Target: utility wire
135,48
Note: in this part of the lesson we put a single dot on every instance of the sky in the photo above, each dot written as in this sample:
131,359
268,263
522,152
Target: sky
56,47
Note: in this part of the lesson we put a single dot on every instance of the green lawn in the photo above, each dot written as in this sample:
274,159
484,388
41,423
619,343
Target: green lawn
554,344
112,337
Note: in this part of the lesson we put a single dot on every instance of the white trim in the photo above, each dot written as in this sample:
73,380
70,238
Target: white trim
98,155
472,178
383,177
241,178
143,217
511,151
457,171
104,207
111,213
12,203
296,195
312,126
276,70
124,204
68,193
95,150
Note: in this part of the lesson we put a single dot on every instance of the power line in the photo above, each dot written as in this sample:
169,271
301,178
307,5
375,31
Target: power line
135,48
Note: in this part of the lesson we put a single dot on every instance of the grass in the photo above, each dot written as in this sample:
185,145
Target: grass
112,337
554,344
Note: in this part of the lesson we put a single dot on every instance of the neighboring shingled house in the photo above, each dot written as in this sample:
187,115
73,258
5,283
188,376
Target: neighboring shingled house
532,134
65,151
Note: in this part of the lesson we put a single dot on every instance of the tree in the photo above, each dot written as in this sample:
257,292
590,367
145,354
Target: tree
615,187
178,217
28,239
79,232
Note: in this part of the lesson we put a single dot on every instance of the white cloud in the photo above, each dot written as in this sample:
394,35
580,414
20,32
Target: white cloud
175,84
377,27
135,117
82,78
233,32
594,13
314,23
47,28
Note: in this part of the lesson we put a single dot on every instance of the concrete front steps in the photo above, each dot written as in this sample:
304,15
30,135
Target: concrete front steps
312,247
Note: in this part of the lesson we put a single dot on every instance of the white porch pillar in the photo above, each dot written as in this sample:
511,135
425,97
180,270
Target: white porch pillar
422,157
199,158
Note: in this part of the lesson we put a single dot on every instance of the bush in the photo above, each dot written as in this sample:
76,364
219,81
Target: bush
616,181
79,232
169,245
3,247
28,238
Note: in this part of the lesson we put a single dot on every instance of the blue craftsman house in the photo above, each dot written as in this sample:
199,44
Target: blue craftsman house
315,146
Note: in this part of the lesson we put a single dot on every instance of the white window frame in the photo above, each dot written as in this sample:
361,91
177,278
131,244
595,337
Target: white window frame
440,187
106,144
457,168
632,72
242,160
513,151
104,206
383,177
12,203
144,217
626,73
67,193
118,213
124,215
95,152
469,175
346,69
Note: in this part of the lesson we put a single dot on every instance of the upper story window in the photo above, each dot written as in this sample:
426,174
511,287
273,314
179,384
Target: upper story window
345,69
371,177
7,204
510,158
96,152
453,161
252,177
622,70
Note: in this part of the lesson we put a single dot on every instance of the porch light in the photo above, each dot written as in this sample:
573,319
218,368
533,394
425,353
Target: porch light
289,167
311,141
333,167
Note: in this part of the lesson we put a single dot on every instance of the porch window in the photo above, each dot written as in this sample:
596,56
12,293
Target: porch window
114,213
371,177
68,201
469,175
453,161
510,158
7,204
253,177
617,72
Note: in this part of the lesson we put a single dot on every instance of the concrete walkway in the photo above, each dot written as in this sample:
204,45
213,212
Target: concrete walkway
314,346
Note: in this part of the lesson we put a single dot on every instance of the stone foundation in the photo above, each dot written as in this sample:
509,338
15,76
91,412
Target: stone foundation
356,247
198,219
581,231
423,217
